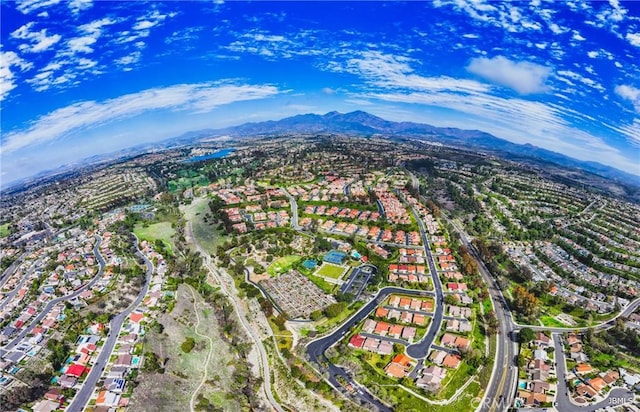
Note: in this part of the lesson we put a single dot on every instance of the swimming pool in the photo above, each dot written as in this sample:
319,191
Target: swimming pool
522,385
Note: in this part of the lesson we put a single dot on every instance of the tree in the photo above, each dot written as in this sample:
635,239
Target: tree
450,299
188,345
316,315
334,309
526,335
266,306
525,302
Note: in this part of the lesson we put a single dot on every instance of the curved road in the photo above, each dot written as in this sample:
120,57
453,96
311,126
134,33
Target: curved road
79,402
264,360
505,371
4,277
615,397
628,310
52,303
10,294
317,348
421,349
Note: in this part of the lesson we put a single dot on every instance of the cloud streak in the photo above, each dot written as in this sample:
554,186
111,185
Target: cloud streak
198,98
8,60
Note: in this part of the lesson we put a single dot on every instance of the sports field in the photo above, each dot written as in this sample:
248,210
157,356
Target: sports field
329,270
283,264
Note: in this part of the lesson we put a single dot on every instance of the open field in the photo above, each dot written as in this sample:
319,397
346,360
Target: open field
155,231
283,264
207,234
186,180
171,390
329,270
4,230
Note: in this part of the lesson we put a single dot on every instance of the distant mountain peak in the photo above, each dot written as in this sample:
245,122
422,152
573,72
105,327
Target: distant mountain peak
366,124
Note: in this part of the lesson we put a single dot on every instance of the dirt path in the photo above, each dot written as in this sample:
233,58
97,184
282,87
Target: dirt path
206,364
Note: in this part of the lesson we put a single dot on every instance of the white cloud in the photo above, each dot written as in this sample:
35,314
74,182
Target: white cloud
76,6
144,24
27,6
390,71
200,98
523,77
562,75
39,41
95,27
593,54
633,39
90,33
81,44
129,59
629,93
84,64
556,29
8,60
577,36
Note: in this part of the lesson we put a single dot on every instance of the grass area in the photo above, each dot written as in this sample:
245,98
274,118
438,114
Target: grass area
283,338
156,231
283,264
455,379
4,230
329,324
187,179
552,322
209,235
329,270
389,390
486,305
326,287
172,388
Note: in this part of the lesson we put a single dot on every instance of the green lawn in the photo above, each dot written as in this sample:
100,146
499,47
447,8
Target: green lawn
4,230
552,322
329,270
283,264
155,231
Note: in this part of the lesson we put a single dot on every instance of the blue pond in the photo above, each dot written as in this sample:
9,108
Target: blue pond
215,155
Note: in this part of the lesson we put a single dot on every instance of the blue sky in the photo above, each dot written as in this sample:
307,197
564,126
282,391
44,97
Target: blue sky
80,78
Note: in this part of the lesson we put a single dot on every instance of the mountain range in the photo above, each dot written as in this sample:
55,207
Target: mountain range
365,124
360,123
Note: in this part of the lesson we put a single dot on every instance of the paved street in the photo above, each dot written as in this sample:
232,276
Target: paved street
79,402
421,349
36,320
228,289
501,391
615,397
316,349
